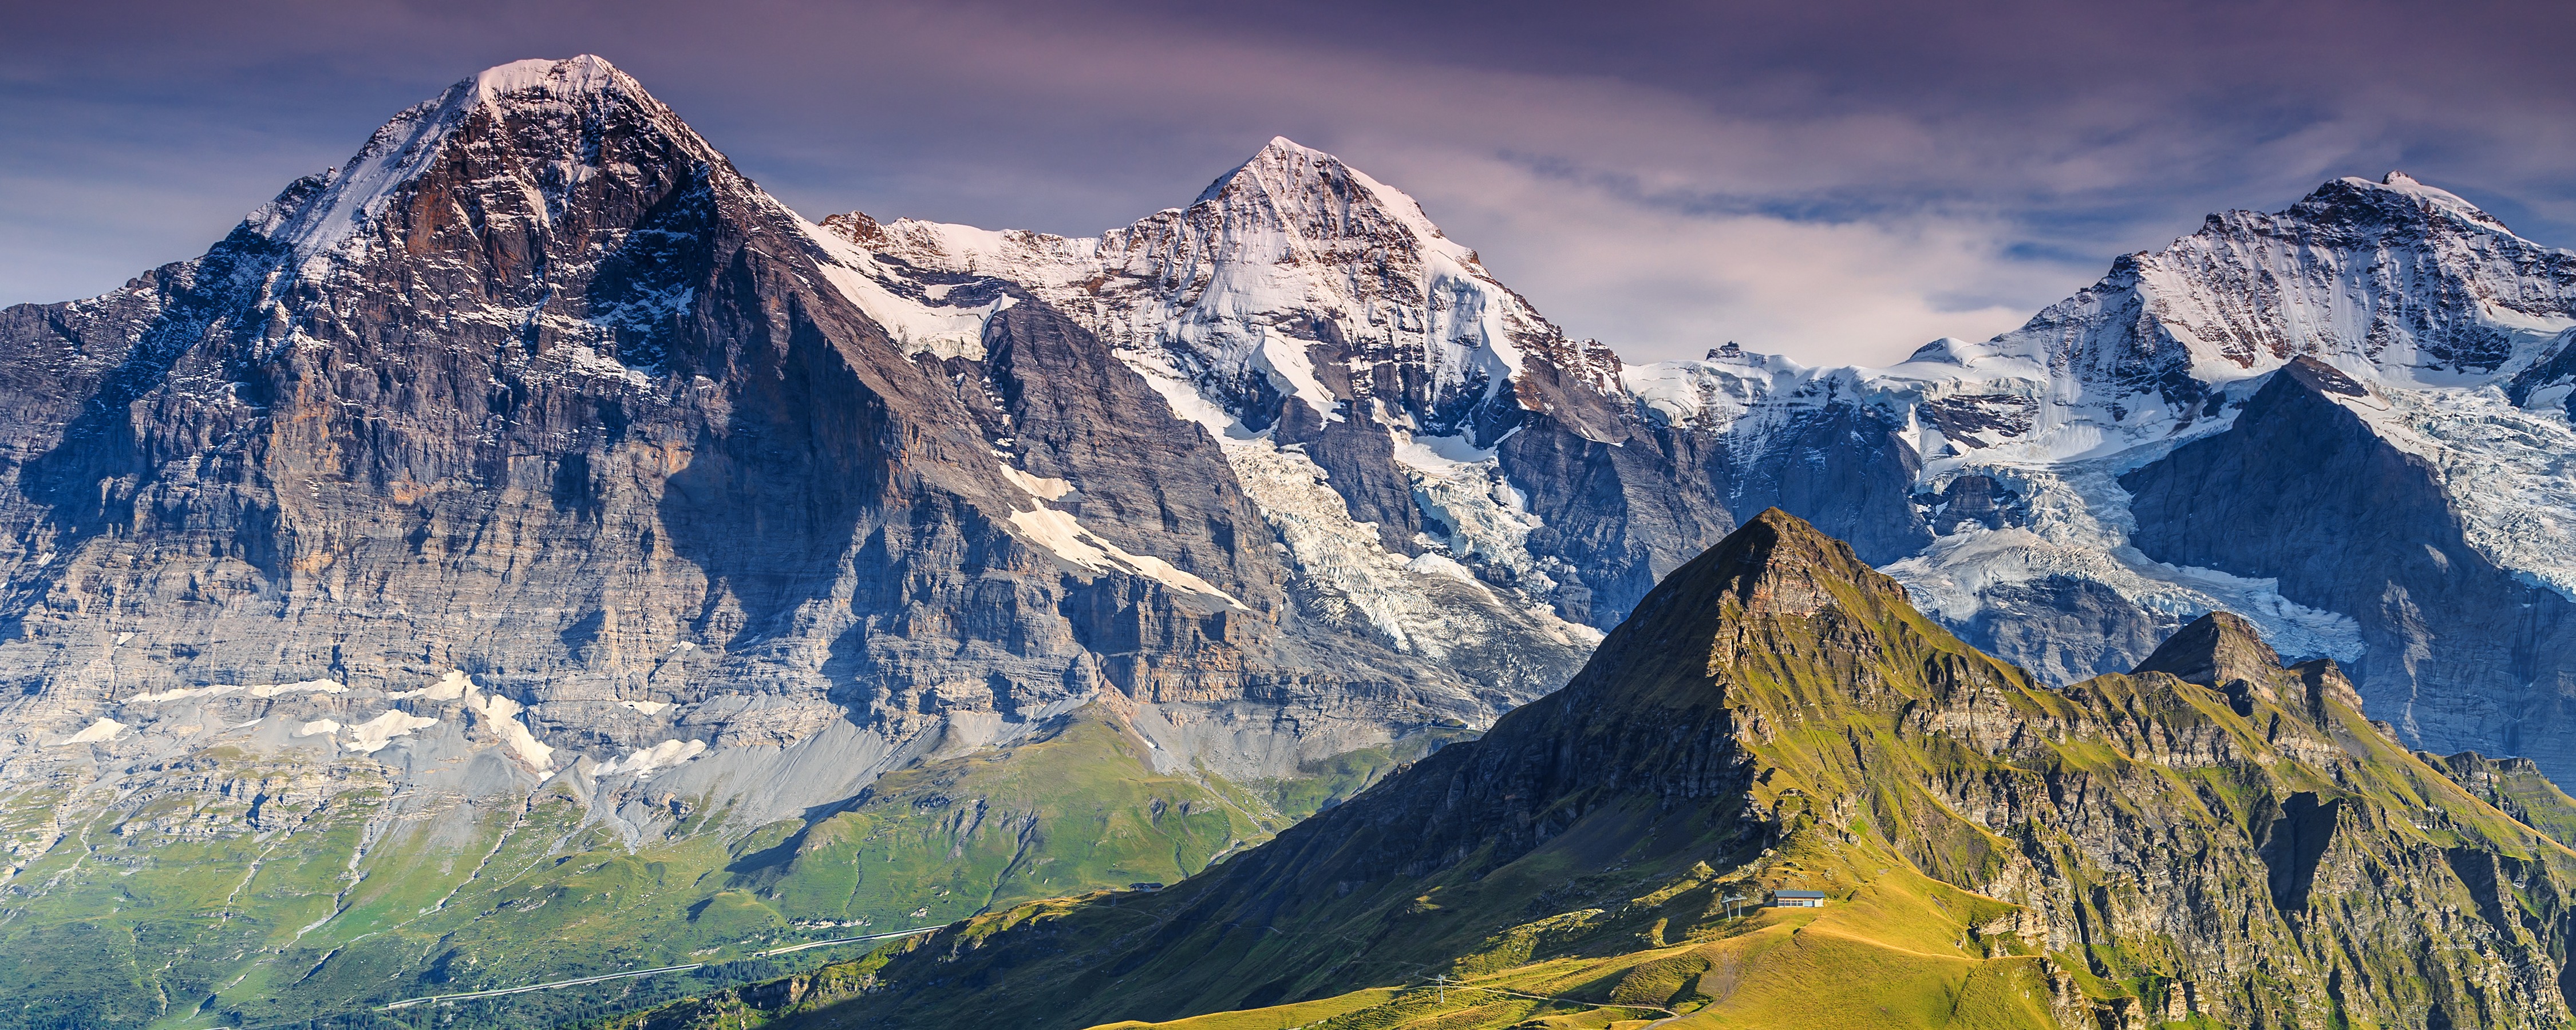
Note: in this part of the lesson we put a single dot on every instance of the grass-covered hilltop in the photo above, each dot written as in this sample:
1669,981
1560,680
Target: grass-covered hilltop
2212,840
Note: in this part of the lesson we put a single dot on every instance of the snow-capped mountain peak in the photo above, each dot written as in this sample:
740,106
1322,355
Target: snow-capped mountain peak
1347,353
1280,154
534,128
1317,192
1292,277
2390,282
572,77
2429,198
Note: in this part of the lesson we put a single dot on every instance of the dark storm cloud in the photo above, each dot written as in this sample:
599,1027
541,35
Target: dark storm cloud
1835,181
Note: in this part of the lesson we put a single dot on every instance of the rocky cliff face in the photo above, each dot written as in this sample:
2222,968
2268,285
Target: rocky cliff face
2213,838
540,390
538,458
1314,318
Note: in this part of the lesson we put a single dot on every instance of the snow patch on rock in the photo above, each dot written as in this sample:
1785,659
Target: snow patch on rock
503,715
264,690
1472,508
2510,472
918,326
1040,487
1430,605
646,761
1059,533
105,729
371,736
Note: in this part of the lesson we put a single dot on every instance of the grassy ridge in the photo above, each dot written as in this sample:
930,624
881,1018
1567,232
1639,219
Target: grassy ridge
2134,850
1896,949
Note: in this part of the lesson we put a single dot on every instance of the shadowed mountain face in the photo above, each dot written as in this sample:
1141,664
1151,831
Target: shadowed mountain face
2213,839
2465,652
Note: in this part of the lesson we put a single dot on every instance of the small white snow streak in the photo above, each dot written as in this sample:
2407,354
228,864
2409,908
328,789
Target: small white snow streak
371,736
104,729
1059,533
646,761
1041,487
264,690
584,359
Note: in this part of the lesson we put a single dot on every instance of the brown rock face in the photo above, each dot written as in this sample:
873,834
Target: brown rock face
541,389
2214,650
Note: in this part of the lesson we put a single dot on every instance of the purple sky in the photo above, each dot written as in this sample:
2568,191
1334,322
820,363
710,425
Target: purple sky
1838,182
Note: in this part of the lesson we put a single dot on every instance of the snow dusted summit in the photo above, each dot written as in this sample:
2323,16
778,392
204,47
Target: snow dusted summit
1316,321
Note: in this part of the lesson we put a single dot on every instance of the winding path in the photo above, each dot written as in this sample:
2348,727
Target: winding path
501,991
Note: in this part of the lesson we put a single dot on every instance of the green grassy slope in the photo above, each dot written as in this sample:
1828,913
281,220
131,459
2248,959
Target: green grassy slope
180,911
